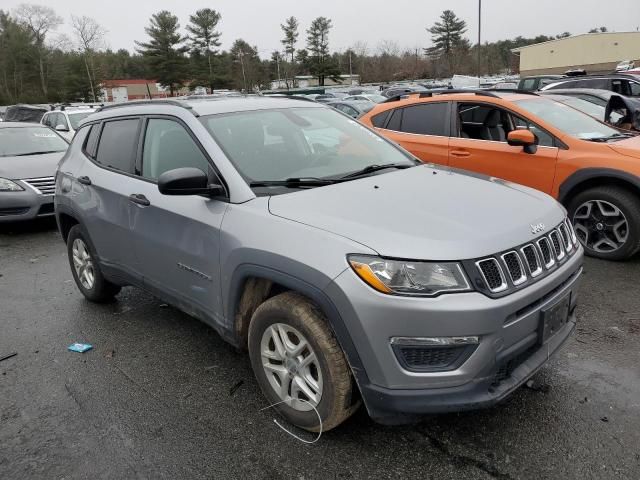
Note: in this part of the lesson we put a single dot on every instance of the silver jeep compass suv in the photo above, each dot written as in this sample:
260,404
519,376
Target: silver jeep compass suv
351,272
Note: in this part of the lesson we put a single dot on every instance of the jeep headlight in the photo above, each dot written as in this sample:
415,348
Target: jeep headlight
7,185
407,277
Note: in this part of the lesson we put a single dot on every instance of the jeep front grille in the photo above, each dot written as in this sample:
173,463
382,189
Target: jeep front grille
517,267
492,274
514,267
558,247
534,263
547,255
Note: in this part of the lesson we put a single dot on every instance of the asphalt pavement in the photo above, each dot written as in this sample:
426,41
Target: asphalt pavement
162,396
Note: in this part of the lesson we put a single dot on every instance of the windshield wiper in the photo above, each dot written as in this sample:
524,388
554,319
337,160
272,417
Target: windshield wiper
615,136
36,153
294,182
374,168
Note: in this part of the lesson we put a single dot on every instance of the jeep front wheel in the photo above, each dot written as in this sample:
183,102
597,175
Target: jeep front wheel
298,363
607,222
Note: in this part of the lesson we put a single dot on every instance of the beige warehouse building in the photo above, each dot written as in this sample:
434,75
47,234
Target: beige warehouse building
595,52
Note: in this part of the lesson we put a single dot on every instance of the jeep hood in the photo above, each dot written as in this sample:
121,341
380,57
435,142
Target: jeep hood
629,147
426,212
30,166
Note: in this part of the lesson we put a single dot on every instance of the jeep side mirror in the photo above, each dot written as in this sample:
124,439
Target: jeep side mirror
61,128
187,181
523,138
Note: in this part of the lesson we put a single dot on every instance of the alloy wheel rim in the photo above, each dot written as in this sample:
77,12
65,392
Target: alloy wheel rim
601,226
291,366
83,264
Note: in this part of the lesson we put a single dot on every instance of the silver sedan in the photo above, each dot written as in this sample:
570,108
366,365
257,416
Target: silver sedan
29,155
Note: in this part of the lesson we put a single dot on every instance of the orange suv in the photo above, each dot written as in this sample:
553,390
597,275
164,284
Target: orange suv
591,168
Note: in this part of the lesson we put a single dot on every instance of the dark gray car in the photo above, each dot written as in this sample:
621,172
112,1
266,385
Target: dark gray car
29,156
351,272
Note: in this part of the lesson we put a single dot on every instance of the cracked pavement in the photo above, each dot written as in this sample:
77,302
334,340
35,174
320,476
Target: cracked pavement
162,396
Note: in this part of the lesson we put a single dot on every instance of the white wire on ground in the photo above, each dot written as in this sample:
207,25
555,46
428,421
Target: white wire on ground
291,433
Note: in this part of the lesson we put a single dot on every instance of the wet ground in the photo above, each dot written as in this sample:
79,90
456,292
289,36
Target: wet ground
162,396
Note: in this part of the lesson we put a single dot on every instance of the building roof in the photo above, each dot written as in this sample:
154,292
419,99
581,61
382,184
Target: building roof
557,40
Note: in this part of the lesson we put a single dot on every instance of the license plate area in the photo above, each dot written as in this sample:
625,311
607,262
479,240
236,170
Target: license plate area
554,319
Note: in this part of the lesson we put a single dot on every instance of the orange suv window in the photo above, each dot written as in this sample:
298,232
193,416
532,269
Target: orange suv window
422,119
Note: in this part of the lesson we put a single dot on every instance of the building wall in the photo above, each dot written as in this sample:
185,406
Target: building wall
595,52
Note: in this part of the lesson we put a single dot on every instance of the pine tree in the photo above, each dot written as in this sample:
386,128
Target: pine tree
165,50
290,29
204,41
321,64
448,41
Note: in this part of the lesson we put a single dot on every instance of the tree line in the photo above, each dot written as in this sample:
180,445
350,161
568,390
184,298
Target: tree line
39,65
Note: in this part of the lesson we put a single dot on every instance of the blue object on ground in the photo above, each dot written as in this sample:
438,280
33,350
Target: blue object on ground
79,347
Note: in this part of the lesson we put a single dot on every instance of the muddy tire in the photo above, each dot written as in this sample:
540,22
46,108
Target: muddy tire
86,270
297,361
607,222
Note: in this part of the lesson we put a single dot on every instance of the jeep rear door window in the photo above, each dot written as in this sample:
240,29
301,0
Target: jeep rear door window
167,145
91,143
425,119
303,142
118,142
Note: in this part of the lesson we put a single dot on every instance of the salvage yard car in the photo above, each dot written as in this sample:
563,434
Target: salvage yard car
29,155
65,119
350,271
590,167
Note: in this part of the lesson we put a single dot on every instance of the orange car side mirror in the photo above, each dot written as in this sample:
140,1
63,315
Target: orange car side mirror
523,138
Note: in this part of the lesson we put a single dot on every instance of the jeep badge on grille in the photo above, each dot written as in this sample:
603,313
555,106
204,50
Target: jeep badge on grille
537,228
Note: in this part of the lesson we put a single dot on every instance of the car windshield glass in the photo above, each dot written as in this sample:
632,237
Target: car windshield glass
587,107
567,119
279,144
29,140
76,118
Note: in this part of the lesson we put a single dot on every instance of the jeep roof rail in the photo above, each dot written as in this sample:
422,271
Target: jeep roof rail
135,103
427,94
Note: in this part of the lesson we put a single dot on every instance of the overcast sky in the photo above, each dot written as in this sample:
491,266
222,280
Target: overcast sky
402,21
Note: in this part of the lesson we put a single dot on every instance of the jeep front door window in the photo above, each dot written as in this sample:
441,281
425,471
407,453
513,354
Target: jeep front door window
167,146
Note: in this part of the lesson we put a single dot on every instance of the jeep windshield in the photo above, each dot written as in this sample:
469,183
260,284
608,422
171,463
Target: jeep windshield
570,120
301,147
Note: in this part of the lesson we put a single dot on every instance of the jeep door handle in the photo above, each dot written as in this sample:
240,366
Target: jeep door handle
139,199
460,153
84,180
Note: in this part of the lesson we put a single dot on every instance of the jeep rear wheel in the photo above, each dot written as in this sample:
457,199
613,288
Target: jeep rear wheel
86,270
298,363
607,222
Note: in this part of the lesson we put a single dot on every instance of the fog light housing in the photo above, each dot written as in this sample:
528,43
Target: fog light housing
433,354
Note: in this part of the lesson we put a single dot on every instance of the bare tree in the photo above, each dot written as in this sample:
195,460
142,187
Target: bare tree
39,20
89,38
